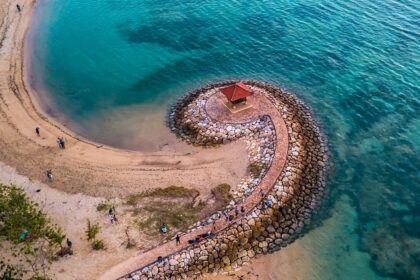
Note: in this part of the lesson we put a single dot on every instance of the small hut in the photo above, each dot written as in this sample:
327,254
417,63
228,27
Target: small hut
237,93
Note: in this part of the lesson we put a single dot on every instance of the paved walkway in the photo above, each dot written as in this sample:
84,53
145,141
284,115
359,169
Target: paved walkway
262,106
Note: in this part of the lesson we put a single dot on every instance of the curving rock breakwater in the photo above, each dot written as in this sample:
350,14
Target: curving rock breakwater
288,162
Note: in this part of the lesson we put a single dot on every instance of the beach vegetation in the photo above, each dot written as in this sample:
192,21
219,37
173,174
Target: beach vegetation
39,277
27,235
168,192
175,206
92,230
172,191
171,214
130,242
103,206
132,199
98,245
222,194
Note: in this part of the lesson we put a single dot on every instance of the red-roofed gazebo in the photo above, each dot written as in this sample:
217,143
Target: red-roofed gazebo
237,92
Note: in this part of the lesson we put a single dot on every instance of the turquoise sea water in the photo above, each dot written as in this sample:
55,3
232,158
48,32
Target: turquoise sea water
355,63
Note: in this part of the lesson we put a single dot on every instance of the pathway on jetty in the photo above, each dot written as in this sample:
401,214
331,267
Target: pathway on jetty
215,109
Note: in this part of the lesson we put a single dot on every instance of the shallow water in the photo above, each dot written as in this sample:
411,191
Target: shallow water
355,63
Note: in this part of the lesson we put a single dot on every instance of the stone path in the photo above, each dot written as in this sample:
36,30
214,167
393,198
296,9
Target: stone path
262,106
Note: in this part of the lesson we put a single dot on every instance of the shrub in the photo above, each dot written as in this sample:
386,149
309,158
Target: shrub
130,242
39,277
98,245
92,230
222,194
18,213
102,206
132,199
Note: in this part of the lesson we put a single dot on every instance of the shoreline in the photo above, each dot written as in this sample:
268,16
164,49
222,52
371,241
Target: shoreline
86,163
45,105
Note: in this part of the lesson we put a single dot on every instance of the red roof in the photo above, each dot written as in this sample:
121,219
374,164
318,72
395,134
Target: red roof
236,91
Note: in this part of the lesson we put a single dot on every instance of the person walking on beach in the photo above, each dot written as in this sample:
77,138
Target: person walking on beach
112,216
37,131
61,143
178,239
50,175
69,243
18,8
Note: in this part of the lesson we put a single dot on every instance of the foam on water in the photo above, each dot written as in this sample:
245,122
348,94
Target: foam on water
356,63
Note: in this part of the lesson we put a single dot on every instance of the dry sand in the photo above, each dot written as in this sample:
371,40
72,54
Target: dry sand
86,172
70,211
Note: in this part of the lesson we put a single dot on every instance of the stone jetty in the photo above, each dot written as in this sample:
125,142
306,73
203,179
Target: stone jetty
284,187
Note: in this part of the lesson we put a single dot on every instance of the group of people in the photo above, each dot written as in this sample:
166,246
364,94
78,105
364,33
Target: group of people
112,215
201,237
61,144
60,140
230,216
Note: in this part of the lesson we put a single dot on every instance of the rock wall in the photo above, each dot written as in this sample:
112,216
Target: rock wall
282,213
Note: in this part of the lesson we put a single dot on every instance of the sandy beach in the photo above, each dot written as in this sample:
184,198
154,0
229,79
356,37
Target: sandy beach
86,173
105,170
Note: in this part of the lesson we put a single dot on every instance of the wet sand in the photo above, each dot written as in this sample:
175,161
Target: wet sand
137,127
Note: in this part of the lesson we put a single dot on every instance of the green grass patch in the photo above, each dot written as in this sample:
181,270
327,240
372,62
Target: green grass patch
92,230
132,199
222,194
103,206
173,191
175,216
169,192
98,245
